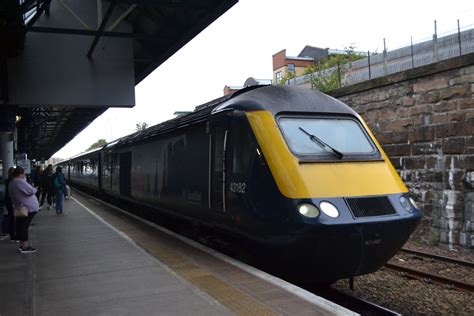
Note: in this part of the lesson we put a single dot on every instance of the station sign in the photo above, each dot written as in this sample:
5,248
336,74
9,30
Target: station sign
25,164
21,156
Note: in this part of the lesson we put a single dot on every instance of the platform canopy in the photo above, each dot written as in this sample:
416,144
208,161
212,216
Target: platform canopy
64,62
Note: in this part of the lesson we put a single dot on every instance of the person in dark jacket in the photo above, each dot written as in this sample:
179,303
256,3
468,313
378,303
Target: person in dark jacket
46,182
3,215
11,223
59,185
36,180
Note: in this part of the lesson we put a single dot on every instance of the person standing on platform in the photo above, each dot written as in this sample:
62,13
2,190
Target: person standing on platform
47,186
11,222
23,194
3,215
3,220
59,184
36,180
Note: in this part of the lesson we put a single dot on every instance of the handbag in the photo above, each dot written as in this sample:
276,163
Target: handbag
20,211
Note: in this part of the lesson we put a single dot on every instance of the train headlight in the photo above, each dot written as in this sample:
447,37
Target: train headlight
308,210
329,209
405,203
413,203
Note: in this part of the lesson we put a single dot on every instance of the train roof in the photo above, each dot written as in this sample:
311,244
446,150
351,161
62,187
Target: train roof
83,154
271,98
278,99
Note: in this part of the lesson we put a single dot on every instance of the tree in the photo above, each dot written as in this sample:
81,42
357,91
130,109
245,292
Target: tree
101,142
289,75
327,74
140,126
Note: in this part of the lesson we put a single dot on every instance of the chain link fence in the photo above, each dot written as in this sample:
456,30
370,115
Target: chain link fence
388,62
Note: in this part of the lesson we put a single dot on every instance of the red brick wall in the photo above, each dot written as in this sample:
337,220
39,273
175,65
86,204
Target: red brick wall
228,90
279,59
299,63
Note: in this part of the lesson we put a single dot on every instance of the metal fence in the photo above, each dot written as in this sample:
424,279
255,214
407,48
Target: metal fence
389,62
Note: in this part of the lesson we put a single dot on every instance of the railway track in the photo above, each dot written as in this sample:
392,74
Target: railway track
438,257
353,303
432,277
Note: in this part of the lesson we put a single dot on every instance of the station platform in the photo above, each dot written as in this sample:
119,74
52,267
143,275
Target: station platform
97,260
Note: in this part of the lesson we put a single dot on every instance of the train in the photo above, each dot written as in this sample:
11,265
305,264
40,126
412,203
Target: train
290,171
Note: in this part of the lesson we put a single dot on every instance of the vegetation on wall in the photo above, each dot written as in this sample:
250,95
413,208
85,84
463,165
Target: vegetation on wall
140,126
289,75
101,142
328,73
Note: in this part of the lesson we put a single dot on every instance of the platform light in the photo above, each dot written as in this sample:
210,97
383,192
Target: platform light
308,210
329,209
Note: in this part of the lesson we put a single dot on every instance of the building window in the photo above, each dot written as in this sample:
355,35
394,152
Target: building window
291,69
278,77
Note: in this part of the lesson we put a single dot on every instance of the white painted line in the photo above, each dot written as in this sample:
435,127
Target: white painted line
301,293
103,221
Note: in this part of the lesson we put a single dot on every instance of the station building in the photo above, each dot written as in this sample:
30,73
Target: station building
284,65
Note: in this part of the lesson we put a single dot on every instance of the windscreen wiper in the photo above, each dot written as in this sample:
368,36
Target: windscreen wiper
322,144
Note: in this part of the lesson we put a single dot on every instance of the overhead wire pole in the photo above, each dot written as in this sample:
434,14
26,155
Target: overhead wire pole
459,39
435,42
368,63
107,16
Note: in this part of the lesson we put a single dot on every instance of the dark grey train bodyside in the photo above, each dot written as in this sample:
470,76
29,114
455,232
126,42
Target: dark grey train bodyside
173,171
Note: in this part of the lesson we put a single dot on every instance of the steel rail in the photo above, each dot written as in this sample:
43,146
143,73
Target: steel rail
353,303
438,257
430,277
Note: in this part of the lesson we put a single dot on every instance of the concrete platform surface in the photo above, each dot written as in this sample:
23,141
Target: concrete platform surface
83,267
95,260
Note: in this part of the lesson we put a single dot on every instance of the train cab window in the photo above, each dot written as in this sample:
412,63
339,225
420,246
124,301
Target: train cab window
327,138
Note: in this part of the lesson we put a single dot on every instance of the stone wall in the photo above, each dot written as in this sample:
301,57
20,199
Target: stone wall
424,119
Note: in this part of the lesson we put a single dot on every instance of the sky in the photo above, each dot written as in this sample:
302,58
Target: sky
240,44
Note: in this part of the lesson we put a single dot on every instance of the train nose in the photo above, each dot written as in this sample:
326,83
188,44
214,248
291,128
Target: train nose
372,239
379,242
343,251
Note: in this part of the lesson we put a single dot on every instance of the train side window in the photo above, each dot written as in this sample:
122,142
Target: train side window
243,149
218,149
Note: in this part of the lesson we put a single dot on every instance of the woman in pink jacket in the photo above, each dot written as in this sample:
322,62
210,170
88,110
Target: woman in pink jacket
23,194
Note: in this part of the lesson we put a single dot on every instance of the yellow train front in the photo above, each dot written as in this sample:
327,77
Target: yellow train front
323,197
